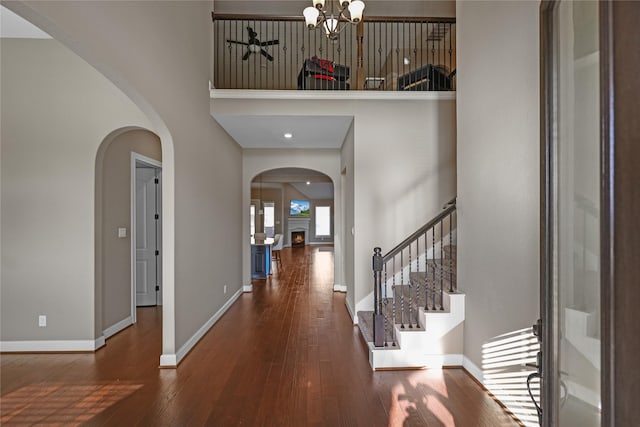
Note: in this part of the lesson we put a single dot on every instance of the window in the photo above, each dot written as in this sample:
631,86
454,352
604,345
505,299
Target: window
253,220
323,221
269,218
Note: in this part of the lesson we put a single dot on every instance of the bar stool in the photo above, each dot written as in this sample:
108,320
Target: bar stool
275,249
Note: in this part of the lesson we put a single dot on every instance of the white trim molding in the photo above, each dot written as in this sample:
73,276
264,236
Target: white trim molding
117,327
354,316
247,288
170,361
335,94
101,341
339,288
56,346
473,369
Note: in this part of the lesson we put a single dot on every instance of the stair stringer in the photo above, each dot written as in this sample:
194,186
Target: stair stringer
438,342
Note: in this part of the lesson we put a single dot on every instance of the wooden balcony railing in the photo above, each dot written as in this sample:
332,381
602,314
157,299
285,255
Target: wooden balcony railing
386,54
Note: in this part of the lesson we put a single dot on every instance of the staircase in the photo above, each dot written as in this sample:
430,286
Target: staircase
418,314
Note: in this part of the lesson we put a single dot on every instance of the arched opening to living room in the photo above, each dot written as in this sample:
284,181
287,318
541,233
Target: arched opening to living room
289,208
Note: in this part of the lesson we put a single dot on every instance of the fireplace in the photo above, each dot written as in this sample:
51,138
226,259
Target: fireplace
297,239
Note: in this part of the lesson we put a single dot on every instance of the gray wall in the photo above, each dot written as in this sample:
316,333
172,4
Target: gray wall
56,110
498,168
159,54
404,166
348,223
404,171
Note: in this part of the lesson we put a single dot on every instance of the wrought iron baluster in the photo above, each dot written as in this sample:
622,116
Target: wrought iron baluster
451,252
433,267
426,270
401,290
418,282
385,302
441,268
393,292
409,287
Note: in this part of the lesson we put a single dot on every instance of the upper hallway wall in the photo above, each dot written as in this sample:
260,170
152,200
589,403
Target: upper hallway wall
436,8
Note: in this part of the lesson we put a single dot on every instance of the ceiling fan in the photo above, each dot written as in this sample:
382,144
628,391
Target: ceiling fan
254,45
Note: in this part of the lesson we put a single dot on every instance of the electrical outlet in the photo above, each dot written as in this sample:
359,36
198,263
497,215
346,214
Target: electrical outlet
225,289
42,321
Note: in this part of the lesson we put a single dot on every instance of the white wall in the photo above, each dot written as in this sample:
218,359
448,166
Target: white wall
56,110
498,168
159,54
403,167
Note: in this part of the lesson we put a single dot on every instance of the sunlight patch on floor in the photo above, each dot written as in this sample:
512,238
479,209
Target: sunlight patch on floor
404,408
61,404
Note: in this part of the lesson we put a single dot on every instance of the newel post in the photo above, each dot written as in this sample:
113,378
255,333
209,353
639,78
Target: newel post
378,320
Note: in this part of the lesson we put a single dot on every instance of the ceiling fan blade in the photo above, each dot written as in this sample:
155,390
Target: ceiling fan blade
270,43
237,42
246,55
266,54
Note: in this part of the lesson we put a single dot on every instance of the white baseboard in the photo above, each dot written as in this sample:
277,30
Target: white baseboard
339,288
50,346
473,369
168,361
99,342
385,359
114,329
247,288
354,316
191,342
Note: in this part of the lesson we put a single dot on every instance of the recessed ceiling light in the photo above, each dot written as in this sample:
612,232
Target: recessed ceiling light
308,182
288,135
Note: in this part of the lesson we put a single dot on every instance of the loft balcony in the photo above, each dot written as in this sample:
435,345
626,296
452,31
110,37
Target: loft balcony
383,54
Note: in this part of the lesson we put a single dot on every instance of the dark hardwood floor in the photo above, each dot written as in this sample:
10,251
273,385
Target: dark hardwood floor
284,355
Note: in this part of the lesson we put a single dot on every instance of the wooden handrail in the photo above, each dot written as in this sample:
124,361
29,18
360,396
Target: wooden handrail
448,208
367,18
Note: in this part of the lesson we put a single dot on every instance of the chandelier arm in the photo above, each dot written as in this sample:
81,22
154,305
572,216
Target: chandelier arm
342,17
321,18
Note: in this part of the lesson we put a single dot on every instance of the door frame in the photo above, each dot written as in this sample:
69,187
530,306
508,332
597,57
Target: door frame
137,159
619,201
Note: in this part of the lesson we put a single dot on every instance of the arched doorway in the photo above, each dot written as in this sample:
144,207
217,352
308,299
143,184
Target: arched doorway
115,224
295,203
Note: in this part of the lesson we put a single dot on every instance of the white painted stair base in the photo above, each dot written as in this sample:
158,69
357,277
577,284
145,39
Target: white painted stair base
438,343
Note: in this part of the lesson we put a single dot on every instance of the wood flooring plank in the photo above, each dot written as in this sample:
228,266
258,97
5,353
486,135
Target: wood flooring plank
286,354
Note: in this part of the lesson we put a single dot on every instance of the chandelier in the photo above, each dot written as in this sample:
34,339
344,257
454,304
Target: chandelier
348,11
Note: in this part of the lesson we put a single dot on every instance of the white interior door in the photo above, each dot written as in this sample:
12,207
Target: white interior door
148,237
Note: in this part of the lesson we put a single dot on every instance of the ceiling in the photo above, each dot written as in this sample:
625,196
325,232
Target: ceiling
268,131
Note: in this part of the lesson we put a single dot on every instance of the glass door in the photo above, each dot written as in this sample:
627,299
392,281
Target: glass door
571,214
